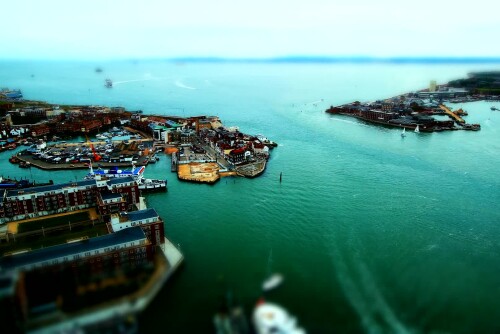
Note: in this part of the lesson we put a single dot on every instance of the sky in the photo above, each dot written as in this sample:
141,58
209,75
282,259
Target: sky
124,29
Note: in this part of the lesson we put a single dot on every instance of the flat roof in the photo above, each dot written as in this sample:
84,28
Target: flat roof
110,196
141,214
41,189
118,180
11,262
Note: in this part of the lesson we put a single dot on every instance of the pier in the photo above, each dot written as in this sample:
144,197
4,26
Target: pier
174,163
454,116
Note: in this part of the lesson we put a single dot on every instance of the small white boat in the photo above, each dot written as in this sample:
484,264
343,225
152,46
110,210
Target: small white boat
272,282
417,129
403,134
271,318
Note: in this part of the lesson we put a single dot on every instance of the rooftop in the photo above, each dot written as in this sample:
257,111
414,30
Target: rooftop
54,187
110,196
14,261
120,180
141,214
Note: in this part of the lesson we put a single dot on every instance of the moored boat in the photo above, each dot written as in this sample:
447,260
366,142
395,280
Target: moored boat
23,183
135,172
14,159
148,185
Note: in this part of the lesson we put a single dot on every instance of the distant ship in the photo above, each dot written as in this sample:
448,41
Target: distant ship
108,83
98,70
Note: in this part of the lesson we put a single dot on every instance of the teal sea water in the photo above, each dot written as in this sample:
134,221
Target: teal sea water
373,232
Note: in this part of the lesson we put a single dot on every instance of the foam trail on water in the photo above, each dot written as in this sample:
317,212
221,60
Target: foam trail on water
363,294
180,84
347,121
127,81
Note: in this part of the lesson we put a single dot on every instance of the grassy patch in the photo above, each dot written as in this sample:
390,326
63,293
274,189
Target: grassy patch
52,222
56,238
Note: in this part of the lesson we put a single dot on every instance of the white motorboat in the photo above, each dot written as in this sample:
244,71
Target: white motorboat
271,318
272,282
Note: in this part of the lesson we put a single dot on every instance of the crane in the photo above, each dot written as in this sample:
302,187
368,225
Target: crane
97,157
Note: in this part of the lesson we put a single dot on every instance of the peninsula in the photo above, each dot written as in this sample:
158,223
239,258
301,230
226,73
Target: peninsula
415,110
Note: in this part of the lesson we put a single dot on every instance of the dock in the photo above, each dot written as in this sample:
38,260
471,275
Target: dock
448,112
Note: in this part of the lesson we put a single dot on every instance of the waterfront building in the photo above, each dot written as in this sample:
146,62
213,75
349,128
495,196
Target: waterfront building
160,133
147,219
444,93
237,156
108,204
123,243
174,137
17,204
82,281
378,115
77,283
188,136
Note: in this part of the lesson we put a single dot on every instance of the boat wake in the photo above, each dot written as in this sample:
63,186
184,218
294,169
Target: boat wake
362,292
128,81
335,119
180,84
315,102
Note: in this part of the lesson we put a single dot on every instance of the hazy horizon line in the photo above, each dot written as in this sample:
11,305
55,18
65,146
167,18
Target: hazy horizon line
341,59
291,59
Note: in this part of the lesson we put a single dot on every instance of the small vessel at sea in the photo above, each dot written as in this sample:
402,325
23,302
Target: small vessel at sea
417,129
494,108
271,318
403,134
108,83
272,282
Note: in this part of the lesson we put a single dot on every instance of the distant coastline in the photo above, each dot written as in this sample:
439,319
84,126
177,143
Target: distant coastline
291,59
344,59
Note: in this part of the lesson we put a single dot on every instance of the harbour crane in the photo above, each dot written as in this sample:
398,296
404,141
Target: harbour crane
97,157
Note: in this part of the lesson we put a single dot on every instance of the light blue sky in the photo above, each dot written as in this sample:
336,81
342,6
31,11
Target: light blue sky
258,28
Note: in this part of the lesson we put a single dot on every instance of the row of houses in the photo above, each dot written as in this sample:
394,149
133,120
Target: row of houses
41,121
234,146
